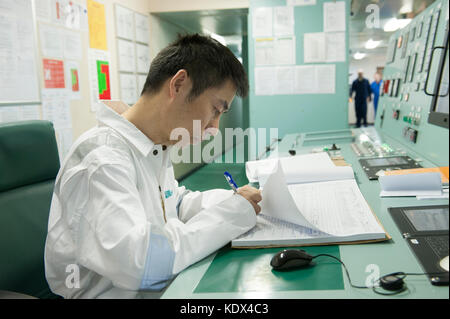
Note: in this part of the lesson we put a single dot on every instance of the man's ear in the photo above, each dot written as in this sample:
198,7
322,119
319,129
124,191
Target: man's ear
179,83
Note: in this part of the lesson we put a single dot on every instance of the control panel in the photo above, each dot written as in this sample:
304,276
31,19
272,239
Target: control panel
409,79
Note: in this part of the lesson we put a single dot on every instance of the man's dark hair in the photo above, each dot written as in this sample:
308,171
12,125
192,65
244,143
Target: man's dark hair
207,62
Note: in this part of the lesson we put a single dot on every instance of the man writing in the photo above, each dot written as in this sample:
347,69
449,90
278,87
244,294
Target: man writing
117,212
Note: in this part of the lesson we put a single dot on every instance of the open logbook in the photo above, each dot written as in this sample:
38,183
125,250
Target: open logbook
306,212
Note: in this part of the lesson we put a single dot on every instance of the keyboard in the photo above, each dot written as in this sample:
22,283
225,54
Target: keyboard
439,244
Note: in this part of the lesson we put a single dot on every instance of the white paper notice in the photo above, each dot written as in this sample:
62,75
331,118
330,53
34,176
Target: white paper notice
300,2
283,23
127,57
56,107
30,112
18,71
9,114
142,28
264,51
334,16
285,51
64,140
72,45
335,47
264,80
315,79
305,79
285,80
124,22
52,43
142,58
326,78
128,89
262,22
314,47
43,10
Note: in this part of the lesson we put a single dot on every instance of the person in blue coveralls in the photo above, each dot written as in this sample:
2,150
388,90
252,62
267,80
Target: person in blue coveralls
361,87
376,87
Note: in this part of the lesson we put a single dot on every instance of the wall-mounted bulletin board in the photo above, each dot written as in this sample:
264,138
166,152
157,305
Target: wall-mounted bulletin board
19,84
132,36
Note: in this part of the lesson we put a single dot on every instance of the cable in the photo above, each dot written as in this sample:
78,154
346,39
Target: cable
346,270
391,282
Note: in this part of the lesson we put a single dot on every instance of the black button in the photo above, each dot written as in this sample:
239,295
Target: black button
155,152
164,147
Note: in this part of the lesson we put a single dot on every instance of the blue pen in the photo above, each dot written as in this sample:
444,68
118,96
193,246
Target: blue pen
230,181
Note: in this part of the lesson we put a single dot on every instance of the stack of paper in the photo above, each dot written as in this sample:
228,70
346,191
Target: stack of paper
421,184
298,169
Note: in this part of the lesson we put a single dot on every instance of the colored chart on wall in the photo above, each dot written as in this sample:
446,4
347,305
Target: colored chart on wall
53,74
99,76
104,88
75,80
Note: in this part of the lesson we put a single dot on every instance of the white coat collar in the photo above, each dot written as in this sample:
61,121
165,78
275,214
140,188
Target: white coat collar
108,113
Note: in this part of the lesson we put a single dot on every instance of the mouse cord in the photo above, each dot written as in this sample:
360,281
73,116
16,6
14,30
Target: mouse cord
346,270
374,286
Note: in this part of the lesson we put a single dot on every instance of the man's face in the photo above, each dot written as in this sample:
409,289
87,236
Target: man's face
201,115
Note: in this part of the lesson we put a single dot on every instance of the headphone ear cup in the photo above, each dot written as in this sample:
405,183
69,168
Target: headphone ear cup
391,282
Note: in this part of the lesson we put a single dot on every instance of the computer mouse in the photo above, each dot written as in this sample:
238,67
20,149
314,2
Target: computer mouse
290,259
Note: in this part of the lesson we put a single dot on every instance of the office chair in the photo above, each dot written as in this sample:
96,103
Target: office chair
29,163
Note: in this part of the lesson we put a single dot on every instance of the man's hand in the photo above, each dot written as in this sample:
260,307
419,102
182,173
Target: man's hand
251,194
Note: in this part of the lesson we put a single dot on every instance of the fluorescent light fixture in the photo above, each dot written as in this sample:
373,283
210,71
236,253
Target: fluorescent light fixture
394,24
371,44
359,56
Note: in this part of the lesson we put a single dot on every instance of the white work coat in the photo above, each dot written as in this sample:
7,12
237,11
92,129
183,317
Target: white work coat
120,225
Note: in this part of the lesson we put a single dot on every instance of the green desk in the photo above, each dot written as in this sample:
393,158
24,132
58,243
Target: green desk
361,260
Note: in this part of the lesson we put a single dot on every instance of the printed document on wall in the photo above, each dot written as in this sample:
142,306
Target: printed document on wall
142,28
128,89
305,79
314,47
142,58
301,2
264,80
285,51
335,47
264,51
127,57
334,16
18,70
285,80
124,22
56,107
283,23
99,76
73,79
326,78
262,22
52,43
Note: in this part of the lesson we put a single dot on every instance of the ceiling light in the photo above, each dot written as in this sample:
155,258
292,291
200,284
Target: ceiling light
395,24
371,44
359,56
